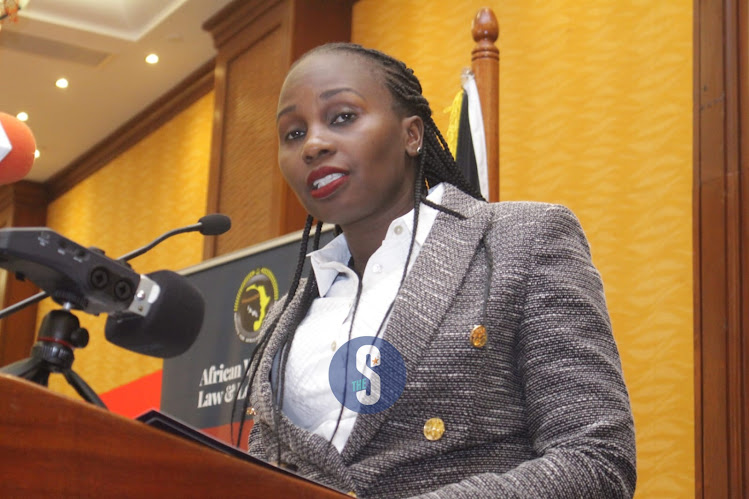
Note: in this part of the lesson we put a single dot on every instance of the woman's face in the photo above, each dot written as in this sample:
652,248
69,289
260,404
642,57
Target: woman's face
343,149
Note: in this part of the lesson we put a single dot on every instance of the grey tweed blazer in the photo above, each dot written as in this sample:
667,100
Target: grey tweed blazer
540,411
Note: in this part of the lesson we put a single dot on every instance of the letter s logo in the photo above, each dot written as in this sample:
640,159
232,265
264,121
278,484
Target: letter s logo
362,353
367,375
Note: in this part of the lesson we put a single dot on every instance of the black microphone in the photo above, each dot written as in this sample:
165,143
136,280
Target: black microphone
165,318
158,314
214,224
168,319
65,270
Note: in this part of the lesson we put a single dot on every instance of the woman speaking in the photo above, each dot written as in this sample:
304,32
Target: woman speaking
441,346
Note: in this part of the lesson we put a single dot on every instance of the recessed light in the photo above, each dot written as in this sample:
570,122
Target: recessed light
22,116
152,58
62,83
36,153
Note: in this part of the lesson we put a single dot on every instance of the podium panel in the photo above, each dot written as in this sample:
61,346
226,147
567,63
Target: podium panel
53,446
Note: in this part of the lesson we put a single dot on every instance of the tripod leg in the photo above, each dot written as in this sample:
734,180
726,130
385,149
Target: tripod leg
85,391
31,369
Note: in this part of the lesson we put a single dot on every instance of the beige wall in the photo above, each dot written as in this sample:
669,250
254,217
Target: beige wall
596,114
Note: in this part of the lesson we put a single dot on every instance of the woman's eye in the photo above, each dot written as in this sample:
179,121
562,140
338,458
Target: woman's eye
343,118
294,134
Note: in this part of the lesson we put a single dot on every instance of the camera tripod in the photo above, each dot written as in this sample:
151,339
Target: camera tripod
59,334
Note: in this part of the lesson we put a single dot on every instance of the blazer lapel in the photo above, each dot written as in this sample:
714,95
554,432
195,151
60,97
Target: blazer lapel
313,448
426,295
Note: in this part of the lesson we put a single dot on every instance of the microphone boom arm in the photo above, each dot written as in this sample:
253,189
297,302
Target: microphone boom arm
23,304
135,253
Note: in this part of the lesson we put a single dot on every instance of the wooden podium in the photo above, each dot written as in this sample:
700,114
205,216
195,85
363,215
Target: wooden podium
53,446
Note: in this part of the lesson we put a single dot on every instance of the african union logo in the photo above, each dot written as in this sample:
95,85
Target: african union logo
367,375
256,294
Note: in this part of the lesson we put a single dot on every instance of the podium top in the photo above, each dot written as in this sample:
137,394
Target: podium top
53,445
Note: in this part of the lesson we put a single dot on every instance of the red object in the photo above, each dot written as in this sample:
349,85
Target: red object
15,164
136,397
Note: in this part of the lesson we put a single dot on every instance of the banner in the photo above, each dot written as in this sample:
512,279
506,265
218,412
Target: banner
199,387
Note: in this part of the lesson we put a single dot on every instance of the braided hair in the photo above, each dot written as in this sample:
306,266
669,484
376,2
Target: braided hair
435,165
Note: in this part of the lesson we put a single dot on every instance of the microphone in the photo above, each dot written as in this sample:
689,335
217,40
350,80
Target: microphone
174,308
158,314
171,322
214,224
17,146
68,266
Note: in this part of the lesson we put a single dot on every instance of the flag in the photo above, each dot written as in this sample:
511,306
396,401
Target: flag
465,135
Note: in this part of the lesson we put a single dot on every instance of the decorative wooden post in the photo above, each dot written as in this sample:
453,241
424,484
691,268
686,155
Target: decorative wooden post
485,65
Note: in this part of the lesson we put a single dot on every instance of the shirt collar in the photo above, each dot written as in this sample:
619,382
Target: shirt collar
333,258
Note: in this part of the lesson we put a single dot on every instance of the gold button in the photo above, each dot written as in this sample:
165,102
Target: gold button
434,428
250,412
478,336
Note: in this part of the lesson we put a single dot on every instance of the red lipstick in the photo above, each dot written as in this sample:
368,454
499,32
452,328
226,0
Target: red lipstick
325,180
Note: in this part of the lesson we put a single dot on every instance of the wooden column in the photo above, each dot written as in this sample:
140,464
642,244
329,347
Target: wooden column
257,41
721,248
485,66
22,204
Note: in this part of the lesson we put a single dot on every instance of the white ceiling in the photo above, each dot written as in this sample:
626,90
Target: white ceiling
100,47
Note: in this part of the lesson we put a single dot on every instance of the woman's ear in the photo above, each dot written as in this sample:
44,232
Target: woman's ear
414,129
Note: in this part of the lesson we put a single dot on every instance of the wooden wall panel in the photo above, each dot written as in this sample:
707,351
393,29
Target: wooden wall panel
743,177
721,291
250,180
22,204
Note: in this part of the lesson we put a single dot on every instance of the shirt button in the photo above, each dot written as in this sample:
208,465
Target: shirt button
434,428
332,346
376,268
398,230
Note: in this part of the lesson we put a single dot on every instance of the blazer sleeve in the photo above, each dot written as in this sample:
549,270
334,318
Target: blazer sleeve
577,405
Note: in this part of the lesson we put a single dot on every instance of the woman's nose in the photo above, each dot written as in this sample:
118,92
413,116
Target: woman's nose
317,145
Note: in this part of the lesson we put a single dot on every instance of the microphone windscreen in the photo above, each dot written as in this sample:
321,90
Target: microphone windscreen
171,325
17,147
215,224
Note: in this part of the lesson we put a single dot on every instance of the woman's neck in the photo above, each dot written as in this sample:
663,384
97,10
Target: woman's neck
363,243
364,239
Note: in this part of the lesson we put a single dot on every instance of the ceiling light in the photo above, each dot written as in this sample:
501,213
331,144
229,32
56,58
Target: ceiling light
23,116
36,153
9,9
62,83
152,58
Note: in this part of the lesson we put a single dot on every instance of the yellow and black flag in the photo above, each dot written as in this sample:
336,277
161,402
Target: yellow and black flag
465,135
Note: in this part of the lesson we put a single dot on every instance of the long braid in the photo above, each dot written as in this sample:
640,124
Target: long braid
435,165
249,375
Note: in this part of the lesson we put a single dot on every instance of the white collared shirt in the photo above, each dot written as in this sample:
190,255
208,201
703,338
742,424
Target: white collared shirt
308,399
